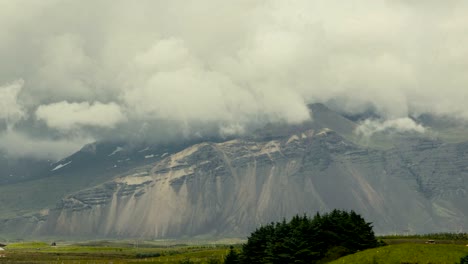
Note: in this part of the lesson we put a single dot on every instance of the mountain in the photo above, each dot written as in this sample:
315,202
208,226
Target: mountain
227,188
28,185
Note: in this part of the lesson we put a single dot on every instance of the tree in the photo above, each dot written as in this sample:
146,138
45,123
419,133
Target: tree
309,240
254,251
232,257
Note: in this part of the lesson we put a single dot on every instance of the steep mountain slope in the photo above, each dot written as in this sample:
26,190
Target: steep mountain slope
13,170
27,185
230,187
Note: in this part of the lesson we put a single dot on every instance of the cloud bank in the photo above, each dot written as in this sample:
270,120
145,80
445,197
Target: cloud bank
91,69
368,127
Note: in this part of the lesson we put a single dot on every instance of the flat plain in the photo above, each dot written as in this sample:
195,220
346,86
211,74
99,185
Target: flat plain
112,252
399,250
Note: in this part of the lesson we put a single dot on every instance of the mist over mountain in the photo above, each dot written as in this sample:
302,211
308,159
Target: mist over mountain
77,72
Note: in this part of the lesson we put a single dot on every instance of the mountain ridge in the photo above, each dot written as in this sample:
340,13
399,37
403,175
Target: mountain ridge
229,188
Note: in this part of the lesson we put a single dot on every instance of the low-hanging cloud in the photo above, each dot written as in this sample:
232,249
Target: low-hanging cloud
369,127
11,111
17,144
93,66
68,116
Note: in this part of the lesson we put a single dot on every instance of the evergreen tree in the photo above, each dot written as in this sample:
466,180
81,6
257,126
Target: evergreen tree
306,240
232,257
254,251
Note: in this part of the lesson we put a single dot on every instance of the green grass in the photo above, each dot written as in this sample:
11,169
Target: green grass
455,237
399,250
408,253
111,252
28,245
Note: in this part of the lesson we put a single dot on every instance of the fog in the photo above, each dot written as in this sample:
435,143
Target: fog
73,72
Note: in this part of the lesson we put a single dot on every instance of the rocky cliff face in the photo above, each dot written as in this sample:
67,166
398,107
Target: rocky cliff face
230,188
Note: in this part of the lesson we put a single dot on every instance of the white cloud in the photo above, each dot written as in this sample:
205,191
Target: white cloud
165,55
231,129
69,116
168,82
231,63
66,72
369,127
11,110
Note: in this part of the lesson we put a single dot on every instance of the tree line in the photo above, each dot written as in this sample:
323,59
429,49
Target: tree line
303,239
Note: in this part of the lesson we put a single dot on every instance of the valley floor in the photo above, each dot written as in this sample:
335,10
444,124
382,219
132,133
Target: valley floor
115,252
399,250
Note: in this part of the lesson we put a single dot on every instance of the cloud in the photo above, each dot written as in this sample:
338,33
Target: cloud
231,129
228,65
369,127
66,71
17,144
169,82
69,116
11,111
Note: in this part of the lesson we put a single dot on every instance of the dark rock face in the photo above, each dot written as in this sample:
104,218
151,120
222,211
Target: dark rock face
230,188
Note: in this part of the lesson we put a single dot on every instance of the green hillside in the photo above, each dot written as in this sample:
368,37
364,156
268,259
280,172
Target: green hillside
408,253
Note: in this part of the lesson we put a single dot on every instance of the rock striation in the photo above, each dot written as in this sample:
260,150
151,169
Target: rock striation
232,187
403,183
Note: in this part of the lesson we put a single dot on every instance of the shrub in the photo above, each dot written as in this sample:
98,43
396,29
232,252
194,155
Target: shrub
148,255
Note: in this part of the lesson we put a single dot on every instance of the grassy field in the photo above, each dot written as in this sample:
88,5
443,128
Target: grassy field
112,252
400,250
408,253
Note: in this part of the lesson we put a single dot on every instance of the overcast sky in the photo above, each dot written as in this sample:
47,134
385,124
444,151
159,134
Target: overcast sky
72,72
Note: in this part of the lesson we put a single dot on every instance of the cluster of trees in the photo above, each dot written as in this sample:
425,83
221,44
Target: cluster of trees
306,240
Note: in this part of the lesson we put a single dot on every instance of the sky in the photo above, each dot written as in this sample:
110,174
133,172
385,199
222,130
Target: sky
73,72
